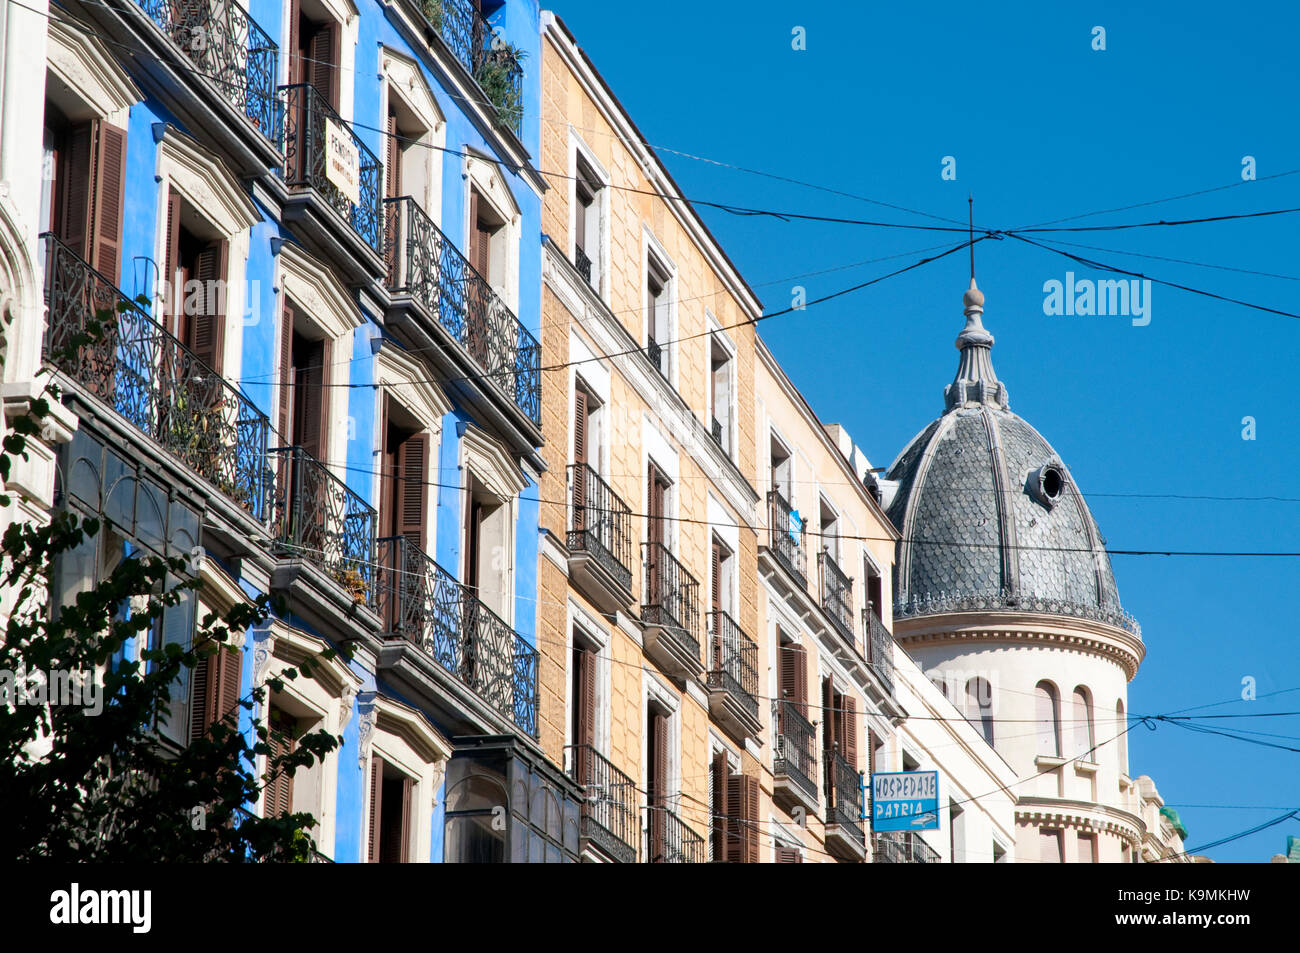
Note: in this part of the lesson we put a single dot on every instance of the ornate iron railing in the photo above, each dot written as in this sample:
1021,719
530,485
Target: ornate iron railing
609,814
654,352
671,595
880,642
795,754
307,119
733,661
601,523
785,537
670,841
837,595
936,604
718,433
493,64
426,265
320,520
423,603
902,847
226,45
582,263
843,793
132,364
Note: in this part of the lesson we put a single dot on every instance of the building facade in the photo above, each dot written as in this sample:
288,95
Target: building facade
312,227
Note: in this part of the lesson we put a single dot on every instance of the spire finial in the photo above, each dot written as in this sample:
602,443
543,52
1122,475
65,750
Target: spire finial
975,381
970,209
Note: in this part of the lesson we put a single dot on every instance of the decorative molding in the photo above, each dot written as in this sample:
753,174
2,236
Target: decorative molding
365,727
204,182
315,289
83,63
492,464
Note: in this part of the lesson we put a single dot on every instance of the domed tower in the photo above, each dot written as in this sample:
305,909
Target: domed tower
1004,596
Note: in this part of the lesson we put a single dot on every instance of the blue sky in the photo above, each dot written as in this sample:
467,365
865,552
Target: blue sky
1041,127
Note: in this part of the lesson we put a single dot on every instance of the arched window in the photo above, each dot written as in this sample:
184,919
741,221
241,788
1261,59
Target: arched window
979,706
1121,728
1084,736
1047,713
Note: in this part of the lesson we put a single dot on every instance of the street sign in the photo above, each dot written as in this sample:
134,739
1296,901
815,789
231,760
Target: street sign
905,801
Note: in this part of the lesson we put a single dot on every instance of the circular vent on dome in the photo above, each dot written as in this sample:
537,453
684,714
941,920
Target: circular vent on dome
1046,484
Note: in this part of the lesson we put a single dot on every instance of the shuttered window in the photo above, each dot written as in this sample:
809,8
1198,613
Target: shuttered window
788,855
389,825
90,193
742,819
282,736
393,165
792,664
215,691
196,272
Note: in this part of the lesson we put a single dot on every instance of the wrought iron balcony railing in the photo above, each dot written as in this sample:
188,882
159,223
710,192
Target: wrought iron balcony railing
115,351
671,596
226,45
786,537
795,754
902,847
837,595
733,661
423,603
309,123
320,520
494,66
601,523
880,642
425,264
582,263
609,814
670,841
657,356
719,435
843,793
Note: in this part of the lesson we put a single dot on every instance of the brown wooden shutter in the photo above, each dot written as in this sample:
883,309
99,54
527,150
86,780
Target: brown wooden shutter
200,697
393,168
718,821
294,48
286,375
849,731
279,788
788,855
395,833
412,457
579,458
323,51
376,805
207,328
742,816
228,696
77,189
408,788
661,758
214,691
175,301
311,384
800,659
871,755
717,575
473,228
830,721
110,194
588,736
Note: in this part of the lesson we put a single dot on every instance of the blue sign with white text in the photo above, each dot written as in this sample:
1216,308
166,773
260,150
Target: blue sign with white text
905,801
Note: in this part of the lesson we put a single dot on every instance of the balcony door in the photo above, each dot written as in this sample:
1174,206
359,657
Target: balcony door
315,60
402,518
196,268
657,782
85,188
656,534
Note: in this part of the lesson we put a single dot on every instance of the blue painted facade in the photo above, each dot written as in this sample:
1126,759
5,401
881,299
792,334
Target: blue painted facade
470,128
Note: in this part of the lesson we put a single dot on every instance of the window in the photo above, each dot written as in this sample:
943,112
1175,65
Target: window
487,534
389,827
656,505
657,780
1084,739
195,272
582,699
176,627
875,588
840,724
403,472
586,222
979,706
780,467
787,854
282,735
657,318
792,674
830,531
486,238
85,188
956,833
315,49
720,402
734,813
476,802
304,377
1087,844
1050,850
1047,714
720,574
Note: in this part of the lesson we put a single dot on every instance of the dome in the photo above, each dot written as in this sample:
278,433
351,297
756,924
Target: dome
989,514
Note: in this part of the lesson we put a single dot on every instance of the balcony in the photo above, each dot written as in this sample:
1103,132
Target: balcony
794,762
225,44
609,814
669,611
880,648
785,532
669,841
837,596
599,540
902,847
844,832
116,353
424,266
582,263
733,676
319,520
658,358
494,66
350,233
422,603
719,434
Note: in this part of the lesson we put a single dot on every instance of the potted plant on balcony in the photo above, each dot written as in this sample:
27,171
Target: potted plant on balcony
432,10
497,74
351,580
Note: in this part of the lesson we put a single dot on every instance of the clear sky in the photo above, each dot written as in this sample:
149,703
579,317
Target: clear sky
1041,127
